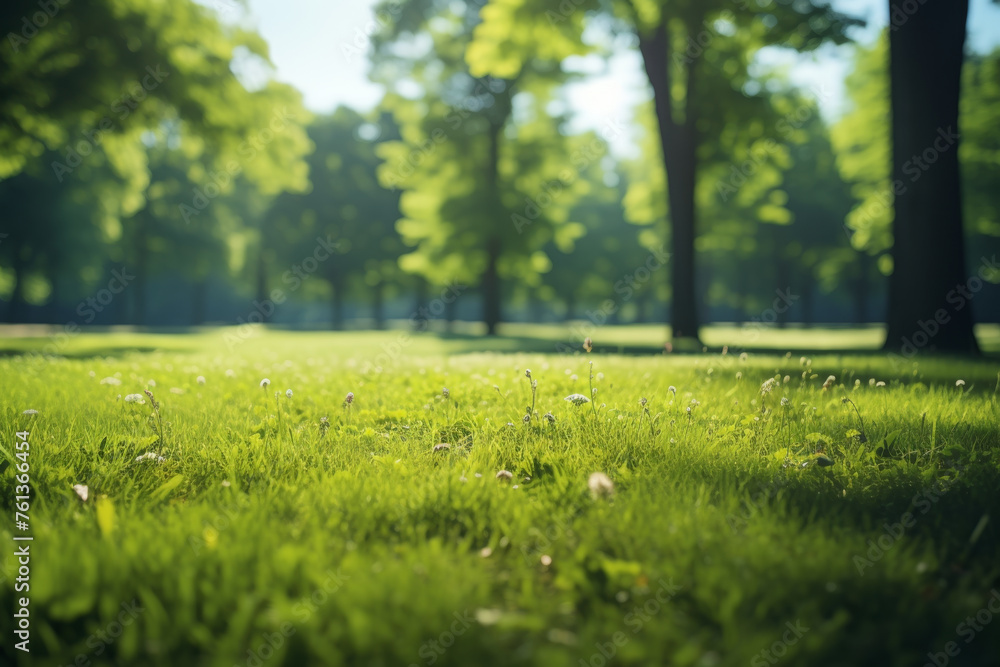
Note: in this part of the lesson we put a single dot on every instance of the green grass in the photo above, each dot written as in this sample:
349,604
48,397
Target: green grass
349,541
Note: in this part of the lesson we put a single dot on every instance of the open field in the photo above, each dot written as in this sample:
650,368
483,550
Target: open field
741,529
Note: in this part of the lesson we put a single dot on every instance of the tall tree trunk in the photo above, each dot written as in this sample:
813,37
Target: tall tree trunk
141,250
929,247
494,244
491,287
862,289
378,305
337,304
17,308
199,301
678,141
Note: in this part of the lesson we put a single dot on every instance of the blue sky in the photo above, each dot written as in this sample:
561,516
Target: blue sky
313,46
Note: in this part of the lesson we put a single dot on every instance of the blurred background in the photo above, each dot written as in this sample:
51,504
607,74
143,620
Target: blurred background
440,164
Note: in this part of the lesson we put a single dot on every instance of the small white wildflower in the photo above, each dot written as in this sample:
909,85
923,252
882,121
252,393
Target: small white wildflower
786,379
546,560
829,381
784,400
744,356
593,392
549,417
739,375
441,447
767,386
672,389
150,456
880,384
230,373
30,411
599,376
200,379
264,383
135,398
959,383
505,475
688,409
478,474
486,552
871,382
226,483
857,383
574,377
151,383
82,491
288,393
600,485
349,399
112,381
577,399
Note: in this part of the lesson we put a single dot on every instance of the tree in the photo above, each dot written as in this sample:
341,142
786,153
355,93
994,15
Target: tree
679,41
482,189
925,64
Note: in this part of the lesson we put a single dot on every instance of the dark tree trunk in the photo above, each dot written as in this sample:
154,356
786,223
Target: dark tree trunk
929,248
494,244
378,305
449,315
141,250
862,289
337,304
491,287
679,142
17,307
262,291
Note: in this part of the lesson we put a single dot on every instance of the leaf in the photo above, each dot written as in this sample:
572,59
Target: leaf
105,516
167,487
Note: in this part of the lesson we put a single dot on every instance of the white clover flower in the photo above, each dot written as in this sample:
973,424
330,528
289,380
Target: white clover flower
30,411
784,400
695,402
113,381
574,377
959,383
549,417
349,399
739,375
288,393
593,392
264,383
505,475
672,389
744,356
871,382
600,485
200,379
786,379
829,381
577,399
135,398
880,384
767,386
151,383
149,456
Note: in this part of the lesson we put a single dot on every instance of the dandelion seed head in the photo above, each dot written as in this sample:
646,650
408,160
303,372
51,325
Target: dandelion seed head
288,393
200,379
505,475
264,383
600,485
959,383
577,399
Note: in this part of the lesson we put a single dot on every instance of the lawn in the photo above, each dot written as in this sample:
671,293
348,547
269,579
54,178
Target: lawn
759,507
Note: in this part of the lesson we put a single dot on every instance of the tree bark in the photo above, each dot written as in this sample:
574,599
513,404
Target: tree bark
491,278
337,304
678,141
926,53
378,305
